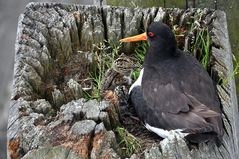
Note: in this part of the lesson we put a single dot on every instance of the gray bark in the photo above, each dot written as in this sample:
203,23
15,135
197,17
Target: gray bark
53,47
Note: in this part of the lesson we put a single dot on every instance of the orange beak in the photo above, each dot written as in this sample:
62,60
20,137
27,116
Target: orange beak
139,37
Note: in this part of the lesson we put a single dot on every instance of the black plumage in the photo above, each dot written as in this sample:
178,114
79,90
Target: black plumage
176,91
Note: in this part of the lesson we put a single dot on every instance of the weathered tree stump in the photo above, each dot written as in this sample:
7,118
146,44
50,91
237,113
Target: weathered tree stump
54,47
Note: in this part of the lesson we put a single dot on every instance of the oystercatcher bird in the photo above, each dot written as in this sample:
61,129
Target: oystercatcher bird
174,92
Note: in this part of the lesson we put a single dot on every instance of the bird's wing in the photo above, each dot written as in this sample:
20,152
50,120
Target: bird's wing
197,83
177,109
164,97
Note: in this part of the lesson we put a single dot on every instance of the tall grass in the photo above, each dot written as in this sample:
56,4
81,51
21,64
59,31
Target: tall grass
128,142
140,52
104,56
201,47
235,72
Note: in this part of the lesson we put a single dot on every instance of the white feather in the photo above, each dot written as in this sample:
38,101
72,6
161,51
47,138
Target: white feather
160,132
138,81
164,133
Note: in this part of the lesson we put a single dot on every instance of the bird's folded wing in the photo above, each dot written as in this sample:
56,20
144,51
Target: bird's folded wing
189,122
164,97
178,109
201,109
168,98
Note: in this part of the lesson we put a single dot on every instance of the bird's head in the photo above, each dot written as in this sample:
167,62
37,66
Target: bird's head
158,34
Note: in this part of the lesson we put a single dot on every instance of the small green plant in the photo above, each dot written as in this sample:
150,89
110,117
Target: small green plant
200,44
97,78
104,56
233,74
127,141
140,52
201,47
206,43
135,74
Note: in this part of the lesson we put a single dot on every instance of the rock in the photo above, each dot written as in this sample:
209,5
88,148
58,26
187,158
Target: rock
91,110
153,153
75,89
57,97
33,130
72,110
83,127
24,107
134,156
30,134
104,117
104,146
99,2
175,147
161,15
99,128
148,16
91,27
103,105
55,124
58,152
113,20
132,25
42,106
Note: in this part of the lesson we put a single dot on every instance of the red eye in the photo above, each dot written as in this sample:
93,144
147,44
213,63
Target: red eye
151,34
